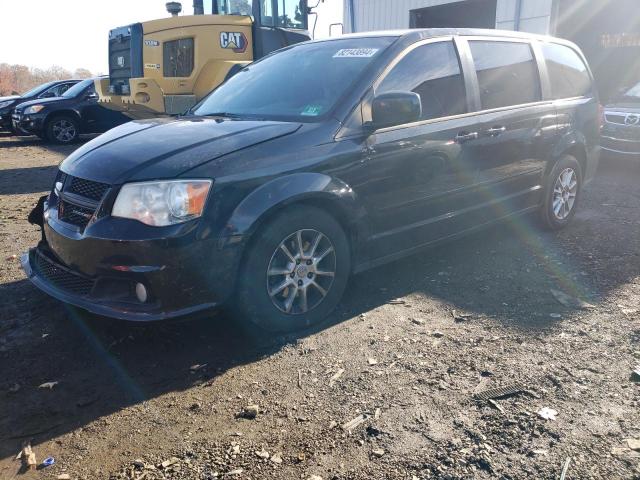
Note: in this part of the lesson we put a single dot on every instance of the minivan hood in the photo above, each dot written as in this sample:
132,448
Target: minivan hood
10,97
166,148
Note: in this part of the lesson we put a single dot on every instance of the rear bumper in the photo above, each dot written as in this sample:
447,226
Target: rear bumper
144,100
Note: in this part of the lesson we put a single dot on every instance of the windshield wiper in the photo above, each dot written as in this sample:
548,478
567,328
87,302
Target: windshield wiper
234,116
223,114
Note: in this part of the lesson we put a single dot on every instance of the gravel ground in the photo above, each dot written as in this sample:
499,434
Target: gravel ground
407,353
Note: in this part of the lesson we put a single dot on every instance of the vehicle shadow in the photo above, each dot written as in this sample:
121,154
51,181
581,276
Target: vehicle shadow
8,140
503,275
27,180
101,365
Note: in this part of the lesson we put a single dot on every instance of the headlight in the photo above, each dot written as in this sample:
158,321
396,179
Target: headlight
162,203
5,104
33,109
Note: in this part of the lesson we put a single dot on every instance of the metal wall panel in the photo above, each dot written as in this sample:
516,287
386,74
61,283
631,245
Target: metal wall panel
371,15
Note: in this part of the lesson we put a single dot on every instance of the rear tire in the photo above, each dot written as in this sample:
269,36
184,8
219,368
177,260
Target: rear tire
295,271
562,194
62,129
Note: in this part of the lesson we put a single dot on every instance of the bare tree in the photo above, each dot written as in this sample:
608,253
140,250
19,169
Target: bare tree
20,78
82,73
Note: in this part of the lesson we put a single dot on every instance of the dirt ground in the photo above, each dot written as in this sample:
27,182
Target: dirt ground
408,349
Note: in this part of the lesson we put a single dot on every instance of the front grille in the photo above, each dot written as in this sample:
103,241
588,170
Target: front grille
86,188
61,277
125,57
617,118
78,200
74,214
622,118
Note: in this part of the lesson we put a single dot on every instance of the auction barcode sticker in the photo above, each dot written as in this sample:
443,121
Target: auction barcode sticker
356,53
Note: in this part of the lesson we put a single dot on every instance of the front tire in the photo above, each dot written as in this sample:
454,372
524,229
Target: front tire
62,130
564,186
295,271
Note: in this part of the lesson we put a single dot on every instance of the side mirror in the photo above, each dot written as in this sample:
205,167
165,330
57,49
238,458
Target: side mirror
92,96
395,108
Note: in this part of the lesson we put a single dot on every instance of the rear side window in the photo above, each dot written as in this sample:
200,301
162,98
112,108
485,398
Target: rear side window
433,72
568,75
178,58
507,73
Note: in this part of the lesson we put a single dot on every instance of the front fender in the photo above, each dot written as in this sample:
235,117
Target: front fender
278,193
67,111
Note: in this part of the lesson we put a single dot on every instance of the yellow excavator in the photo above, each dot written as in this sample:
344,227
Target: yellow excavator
166,66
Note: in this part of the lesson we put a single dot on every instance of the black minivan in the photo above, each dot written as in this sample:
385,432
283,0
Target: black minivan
319,161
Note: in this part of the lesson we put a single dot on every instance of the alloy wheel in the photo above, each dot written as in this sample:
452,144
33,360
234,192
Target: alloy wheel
64,131
565,191
301,272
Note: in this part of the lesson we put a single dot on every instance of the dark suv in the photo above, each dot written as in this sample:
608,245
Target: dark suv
278,186
62,119
621,125
46,90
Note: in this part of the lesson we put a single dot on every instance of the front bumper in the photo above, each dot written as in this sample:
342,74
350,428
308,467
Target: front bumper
108,309
621,146
28,124
182,274
5,120
145,98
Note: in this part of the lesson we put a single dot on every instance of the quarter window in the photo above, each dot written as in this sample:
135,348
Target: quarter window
507,73
568,74
433,72
178,58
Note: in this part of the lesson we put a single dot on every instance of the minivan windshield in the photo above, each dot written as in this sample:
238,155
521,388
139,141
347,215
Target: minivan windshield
37,90
78,88
302,83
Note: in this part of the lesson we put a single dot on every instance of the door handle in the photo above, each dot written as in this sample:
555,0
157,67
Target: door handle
463,137
495,131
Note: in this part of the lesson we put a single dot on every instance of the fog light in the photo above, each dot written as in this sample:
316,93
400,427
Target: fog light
141,292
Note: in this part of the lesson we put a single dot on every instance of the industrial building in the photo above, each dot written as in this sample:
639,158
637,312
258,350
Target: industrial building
607,30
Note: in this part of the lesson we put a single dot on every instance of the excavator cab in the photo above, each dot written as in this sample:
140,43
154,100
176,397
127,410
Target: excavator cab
166,66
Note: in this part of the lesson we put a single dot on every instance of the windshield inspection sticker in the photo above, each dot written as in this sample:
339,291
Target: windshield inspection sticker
312,110
356,53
